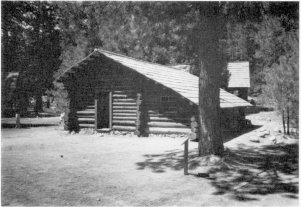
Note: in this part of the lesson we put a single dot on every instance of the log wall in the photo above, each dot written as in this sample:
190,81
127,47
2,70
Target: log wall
166,111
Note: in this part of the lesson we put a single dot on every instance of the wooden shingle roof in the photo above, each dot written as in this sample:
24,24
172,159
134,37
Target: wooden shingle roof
181,82
239,75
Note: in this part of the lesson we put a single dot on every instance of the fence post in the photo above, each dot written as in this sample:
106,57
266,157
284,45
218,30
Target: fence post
18,125
186,157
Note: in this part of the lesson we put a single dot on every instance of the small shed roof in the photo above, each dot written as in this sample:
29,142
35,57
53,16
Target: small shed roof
181,82
239,75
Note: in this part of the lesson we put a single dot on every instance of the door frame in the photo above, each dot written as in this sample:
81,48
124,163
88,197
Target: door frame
96,102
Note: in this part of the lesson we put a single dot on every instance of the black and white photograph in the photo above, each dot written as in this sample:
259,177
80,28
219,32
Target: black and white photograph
150,103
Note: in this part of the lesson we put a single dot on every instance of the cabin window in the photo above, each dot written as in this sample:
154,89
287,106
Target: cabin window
164,99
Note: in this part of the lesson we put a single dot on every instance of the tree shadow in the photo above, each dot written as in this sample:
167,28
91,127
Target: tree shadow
267,170
158,163
243,172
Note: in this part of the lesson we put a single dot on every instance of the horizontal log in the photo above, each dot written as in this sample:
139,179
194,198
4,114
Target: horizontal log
132,111
125,91
128,100
86,125
158,103
194,124
167,124
195,130
169,115
152,112
86,112
120,95
86,119
193,119
125,114
157,130
124,122
82,107
125,107
131,93
124,117
104,130
124,103
177,119
124,128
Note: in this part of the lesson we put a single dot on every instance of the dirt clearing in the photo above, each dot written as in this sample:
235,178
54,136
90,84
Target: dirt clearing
47,166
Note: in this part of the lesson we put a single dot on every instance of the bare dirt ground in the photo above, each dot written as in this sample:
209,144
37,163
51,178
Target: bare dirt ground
47,166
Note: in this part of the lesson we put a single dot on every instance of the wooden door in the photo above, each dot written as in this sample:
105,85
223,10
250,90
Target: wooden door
103,110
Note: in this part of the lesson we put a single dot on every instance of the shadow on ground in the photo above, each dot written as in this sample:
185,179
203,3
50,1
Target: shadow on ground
243,172
249,171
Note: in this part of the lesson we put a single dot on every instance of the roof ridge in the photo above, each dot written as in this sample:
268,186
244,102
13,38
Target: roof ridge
113,53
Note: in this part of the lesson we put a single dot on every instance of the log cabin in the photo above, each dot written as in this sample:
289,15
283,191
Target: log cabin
109,91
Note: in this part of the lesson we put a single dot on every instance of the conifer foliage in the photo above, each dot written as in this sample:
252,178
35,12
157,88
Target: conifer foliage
31,47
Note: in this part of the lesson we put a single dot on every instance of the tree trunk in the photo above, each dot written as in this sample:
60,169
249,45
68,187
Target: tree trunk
210,64
210,140
283,122
288,121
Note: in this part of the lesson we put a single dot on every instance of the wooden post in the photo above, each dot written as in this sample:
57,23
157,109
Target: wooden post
18,125
139,114
96,113
186,157
110,110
